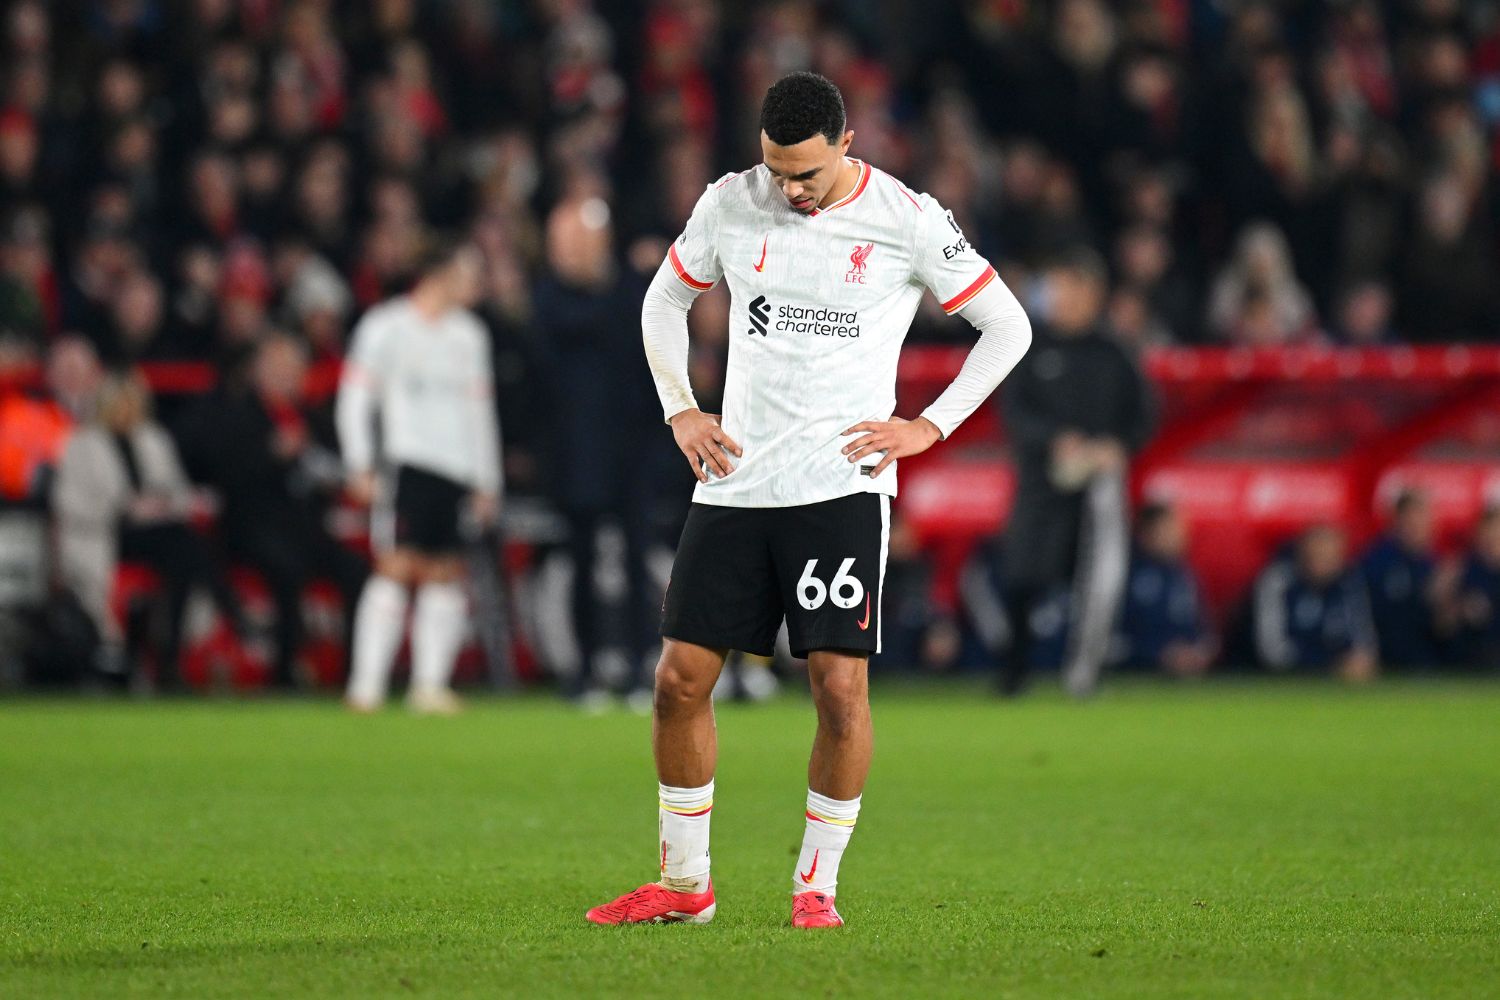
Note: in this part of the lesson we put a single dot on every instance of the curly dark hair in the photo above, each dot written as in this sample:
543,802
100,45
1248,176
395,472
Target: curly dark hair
800,106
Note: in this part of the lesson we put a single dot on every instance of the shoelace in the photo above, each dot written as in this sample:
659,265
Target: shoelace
808,902
628,903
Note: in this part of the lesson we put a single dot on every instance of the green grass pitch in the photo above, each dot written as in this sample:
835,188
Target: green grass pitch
1225,840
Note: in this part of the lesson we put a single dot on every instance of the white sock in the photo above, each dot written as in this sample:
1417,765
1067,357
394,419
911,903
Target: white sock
379,621
437,632
830,824
683,823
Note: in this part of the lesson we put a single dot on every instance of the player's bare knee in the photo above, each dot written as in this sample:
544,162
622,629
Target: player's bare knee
842,702
680,687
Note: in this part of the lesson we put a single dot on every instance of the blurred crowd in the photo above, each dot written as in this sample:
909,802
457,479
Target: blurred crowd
1405,601
232,182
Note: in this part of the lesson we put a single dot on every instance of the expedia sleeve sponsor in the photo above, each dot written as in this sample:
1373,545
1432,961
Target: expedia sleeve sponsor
817,320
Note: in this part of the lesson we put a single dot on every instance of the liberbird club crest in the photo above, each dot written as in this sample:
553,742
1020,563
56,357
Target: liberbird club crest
857,258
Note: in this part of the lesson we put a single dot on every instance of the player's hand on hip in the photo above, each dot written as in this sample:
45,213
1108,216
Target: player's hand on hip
704,443
484,508
362,488
896,437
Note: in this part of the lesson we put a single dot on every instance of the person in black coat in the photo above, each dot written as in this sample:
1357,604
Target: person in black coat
587,307
1075,409
261,448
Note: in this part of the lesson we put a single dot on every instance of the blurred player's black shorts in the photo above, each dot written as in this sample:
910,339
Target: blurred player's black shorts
427,509
740,570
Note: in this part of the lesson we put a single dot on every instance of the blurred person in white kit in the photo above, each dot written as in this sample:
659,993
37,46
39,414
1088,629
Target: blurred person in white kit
422,362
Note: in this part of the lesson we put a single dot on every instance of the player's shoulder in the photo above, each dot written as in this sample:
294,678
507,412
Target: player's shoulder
740,189
468,321
382,315
888,194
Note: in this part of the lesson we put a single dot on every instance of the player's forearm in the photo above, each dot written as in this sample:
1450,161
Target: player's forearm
352,416
489,474
664,331
1004,336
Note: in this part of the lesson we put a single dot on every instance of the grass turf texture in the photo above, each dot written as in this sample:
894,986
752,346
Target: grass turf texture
1222,840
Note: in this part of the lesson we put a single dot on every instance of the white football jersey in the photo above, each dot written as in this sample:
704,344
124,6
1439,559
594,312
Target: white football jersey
431,381
819,306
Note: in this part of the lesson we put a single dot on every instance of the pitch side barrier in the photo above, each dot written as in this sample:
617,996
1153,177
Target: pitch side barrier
1253,445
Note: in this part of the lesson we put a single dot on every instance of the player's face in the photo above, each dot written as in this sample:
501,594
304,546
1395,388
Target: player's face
465,277
806,171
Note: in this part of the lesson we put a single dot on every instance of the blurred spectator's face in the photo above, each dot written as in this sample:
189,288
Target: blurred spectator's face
263,172
1258,323
1487,540
805,171
200,269
214,186
1148,82
73,369
122,90
579,242
1415,525
1320,555
18,146
1025,171
291,105
396,203
1129,316
1445,210
233,118
123,406
321,190
399,143
280,370
1167,538
1365,314
138,308
134,148
1076,298
1144,255
30,31
1150,200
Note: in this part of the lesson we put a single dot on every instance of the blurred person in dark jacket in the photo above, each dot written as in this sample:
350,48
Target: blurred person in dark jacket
270,456
1479,593
1401,572
1312,612
585,308
1164,625
1075,409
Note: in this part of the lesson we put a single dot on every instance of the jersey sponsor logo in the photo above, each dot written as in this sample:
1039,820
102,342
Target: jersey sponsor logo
817,320
962,246
761,264
760,314
857,259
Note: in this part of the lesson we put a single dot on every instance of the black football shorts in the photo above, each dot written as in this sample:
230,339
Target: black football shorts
740,570
425,513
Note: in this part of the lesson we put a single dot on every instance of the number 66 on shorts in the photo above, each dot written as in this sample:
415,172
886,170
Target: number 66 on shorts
844,590
741,571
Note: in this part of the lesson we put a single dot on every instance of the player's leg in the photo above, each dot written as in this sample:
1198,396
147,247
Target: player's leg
437,633
836,774
723,595
440,614
831,557
379,623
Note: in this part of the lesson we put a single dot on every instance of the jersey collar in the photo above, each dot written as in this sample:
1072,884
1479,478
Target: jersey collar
859,188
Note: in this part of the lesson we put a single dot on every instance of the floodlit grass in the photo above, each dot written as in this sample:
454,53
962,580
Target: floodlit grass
1223,840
